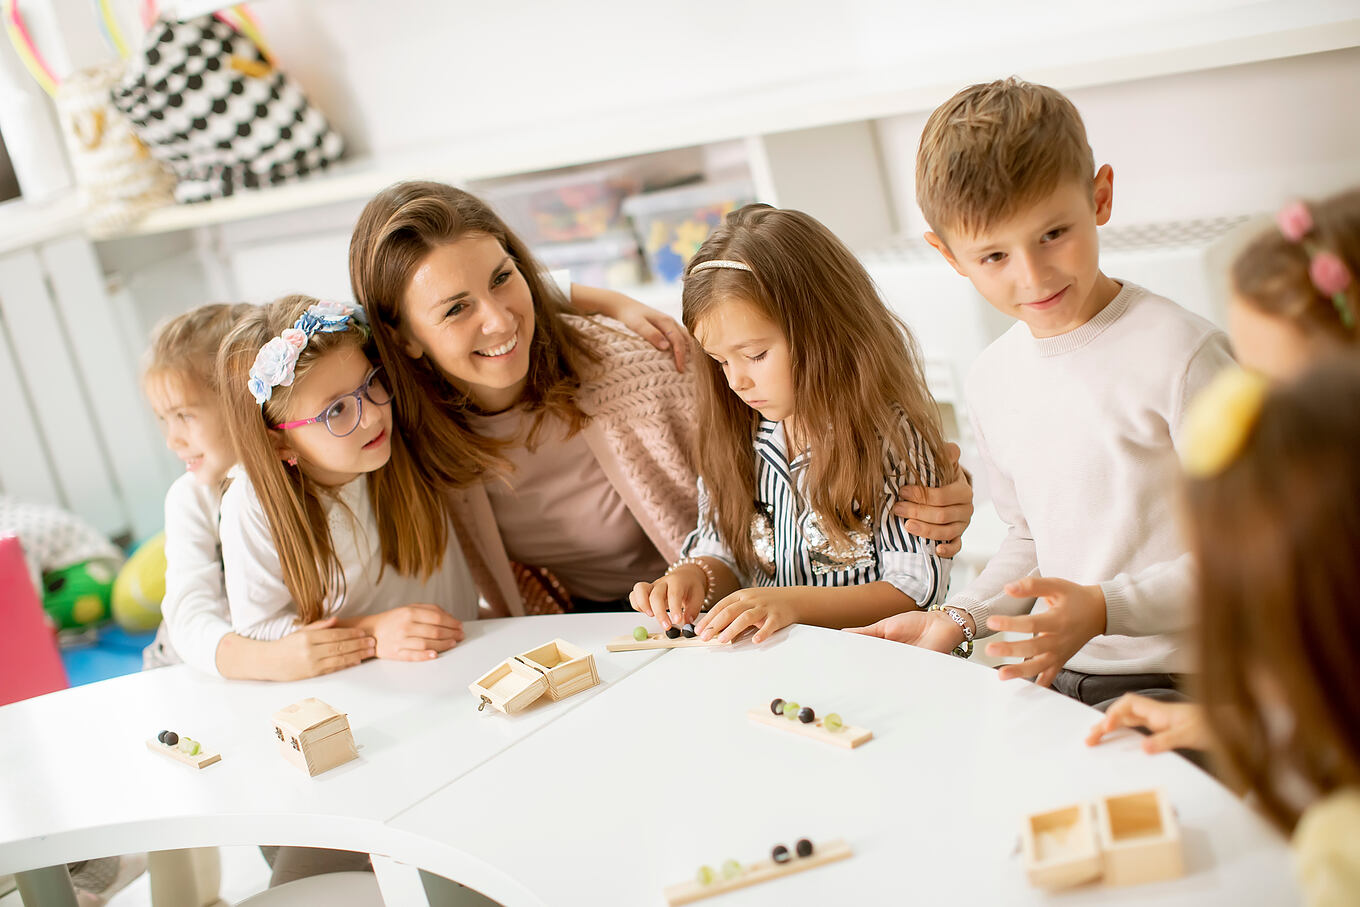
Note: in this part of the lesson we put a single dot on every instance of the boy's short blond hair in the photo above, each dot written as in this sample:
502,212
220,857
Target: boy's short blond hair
992,149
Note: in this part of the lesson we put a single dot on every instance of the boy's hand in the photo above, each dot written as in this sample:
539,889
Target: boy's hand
932,630
765,609
940,513
1174,725
1075,614
675,599
416,632
319,648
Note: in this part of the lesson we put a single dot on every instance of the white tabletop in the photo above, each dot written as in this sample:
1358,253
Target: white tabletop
664,773
77,781
611,795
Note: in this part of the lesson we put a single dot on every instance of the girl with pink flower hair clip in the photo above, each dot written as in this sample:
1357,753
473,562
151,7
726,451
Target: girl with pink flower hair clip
1295,293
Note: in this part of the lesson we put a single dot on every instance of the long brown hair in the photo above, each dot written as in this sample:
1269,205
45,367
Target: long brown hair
856,373
1277,536
1271,273
413,522
395,232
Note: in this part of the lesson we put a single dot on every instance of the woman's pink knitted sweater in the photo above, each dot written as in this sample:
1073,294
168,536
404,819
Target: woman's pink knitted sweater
641,431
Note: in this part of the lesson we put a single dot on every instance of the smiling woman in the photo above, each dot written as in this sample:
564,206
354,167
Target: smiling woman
537,422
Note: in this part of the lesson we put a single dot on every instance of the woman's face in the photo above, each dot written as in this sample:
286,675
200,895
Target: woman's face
468,308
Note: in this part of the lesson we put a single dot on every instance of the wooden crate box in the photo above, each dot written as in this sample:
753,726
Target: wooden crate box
313,736
1060,847
1140,838
557,668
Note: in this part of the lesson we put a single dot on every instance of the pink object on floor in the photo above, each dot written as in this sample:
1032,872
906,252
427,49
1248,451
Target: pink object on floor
30,663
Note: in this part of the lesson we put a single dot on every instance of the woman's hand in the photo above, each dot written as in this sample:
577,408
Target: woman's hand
940,513
415,632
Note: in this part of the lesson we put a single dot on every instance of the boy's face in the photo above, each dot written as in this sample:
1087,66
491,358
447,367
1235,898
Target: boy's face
753,355
194,429
1042,264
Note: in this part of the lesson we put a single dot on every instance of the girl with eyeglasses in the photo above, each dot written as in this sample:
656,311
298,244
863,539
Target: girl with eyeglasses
331,519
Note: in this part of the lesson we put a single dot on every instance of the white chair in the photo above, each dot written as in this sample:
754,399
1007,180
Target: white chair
334,889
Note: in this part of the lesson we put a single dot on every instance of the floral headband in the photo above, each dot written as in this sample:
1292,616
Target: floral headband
1220,419
1328,272
278,358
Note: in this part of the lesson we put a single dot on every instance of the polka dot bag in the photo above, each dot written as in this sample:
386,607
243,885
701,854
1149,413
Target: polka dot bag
209,103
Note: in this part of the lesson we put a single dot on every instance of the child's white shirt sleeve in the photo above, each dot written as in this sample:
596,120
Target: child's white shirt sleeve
261,605
705,541
195,605
1015,559
1161,598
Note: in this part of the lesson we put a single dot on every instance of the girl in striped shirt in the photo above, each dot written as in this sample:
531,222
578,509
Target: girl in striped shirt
813,412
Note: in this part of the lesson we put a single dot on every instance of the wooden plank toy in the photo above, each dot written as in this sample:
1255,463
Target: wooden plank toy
838,734
182,749
1059,847
734,875
313,736
557,668
1140,839
644,640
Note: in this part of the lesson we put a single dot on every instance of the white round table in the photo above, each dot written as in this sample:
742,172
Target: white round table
617,792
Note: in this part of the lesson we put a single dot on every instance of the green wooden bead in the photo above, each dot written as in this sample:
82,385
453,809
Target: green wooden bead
640,634
705,875
833,722
731,869
187,746
791,710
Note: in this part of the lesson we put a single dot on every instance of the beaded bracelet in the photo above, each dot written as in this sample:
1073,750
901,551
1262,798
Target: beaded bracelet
710,579
965,650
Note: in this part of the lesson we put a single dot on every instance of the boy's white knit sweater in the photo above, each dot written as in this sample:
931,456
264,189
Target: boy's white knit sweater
1078,436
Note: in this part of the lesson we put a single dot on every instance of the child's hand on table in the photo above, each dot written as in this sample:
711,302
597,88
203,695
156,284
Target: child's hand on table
765,609
415,632
675,599
1075,615
1174,725
932,630
320,648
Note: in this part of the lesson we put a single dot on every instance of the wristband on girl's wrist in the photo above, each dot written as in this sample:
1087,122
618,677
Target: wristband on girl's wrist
710,579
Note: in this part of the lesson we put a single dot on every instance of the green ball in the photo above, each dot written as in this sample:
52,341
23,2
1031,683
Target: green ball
832,722
705,875
188,747
640,634
791,711
731,869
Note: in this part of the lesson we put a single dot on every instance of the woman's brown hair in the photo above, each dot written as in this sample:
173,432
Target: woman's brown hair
856,374
1271,273
395,232
413,522
1277,537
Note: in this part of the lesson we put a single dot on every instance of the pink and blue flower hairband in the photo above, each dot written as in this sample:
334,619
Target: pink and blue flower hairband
1326,270
277,359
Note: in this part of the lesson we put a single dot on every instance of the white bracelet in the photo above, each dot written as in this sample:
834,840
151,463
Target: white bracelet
710,578
965,650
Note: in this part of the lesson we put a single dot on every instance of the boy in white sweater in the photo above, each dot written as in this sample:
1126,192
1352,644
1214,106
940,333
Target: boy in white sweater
1077,408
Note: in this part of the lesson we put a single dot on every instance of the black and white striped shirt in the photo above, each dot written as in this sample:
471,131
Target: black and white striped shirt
788,535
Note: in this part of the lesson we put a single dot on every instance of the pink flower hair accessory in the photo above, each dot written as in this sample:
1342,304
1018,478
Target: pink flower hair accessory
1326,270
1295,221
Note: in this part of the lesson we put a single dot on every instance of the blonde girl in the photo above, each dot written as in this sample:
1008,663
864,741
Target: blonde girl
180,383
331,518
815,412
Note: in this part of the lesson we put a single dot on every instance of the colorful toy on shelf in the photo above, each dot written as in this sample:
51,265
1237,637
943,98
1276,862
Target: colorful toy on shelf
70,562
182,749
674,638
313,736
1126,839
790,716
707,883
671,224
79,595
557,668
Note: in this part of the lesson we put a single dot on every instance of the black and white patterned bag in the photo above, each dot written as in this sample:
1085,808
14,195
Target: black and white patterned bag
211,107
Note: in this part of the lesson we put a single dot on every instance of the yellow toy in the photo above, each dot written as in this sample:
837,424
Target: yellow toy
140,586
